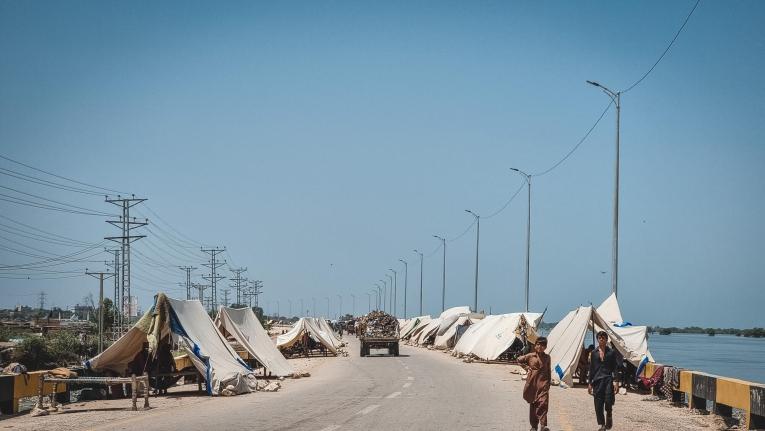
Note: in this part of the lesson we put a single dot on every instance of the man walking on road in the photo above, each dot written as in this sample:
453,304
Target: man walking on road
537,389
603,385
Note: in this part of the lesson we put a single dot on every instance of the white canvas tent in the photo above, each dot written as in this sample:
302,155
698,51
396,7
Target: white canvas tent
306,326
409,325
566,341
493,335
446,332
186,324
635,337
428,331
244,326
415,332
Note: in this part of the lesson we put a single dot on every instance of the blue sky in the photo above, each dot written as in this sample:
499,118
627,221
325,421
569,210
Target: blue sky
322,141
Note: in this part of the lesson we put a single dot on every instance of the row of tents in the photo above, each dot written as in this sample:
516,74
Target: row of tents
489,337
208,343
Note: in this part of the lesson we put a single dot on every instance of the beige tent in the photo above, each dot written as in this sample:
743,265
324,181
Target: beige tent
409,325
566,342
415,332
306,326
186,324
428,332
244,326
445,336
492,336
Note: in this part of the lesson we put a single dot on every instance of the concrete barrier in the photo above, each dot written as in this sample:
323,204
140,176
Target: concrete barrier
724,392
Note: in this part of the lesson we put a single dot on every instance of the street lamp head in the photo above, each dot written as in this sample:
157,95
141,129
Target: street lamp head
402,261
593,83
514,169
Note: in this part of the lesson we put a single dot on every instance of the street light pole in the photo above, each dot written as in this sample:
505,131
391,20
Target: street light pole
443,275
328,315
353,298
314,307
390,295
421,259
477,238
406,281
528,230
385,295
369,302
340,307
616,97
395,290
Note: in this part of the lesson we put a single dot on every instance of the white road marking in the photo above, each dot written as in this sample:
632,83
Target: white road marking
406,385
410,378
330,428
369,409
393,395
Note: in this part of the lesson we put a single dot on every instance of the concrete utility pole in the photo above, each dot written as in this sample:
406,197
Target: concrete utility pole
126,224
406,281
477,238
379,294
213,276
340,307
114,265
390,295
237,282
369,302
101,276
443,275
385,294
421,259
188,270
527,177
616,97
314,307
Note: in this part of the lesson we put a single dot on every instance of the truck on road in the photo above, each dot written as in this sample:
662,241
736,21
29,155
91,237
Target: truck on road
378,330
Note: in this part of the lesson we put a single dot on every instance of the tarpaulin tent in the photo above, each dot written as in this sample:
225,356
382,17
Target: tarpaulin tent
445,336
566,341
244,326
186,324
306,326
635,337
331,335
493,335
428,333
415,331
408,326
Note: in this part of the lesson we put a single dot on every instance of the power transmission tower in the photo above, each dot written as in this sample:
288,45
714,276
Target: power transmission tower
237,282
188,270
213,276
200,291
126,224
257,289
41,298
225,297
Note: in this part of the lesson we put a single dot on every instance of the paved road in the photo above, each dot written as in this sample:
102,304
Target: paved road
420,390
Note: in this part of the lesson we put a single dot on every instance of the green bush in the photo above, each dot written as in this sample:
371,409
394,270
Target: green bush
33,353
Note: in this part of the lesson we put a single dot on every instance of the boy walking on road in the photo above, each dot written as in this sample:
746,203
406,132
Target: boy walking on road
537,389
602,380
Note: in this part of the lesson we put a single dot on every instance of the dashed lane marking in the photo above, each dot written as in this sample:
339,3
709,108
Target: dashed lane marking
393,395
369,409
406,385
410,378
330,428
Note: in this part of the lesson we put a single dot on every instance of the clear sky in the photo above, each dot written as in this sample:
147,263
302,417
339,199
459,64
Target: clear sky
322,141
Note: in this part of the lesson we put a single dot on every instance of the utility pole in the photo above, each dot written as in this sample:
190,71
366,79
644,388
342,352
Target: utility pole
115,267
225,297
616,97
200,291
353,298
477,238
385,295
213,276
237,282
126,224
100,276
41,298
395,288
340,307
421,259
443,275
314,307
528,231
188,270
257,289
406,281
328,315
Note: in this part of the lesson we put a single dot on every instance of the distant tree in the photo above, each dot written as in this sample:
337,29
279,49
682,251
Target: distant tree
665,331
711,332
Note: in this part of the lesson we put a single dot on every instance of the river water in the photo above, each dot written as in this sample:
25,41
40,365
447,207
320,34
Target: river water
723,355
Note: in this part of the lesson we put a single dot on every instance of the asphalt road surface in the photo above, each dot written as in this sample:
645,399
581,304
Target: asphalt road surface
420,390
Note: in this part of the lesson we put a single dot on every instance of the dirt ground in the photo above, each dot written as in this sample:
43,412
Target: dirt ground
94,414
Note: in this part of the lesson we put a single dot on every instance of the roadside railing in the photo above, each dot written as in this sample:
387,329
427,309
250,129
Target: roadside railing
696,389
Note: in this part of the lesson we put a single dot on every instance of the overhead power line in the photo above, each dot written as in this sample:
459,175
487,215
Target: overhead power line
671,42
58,176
